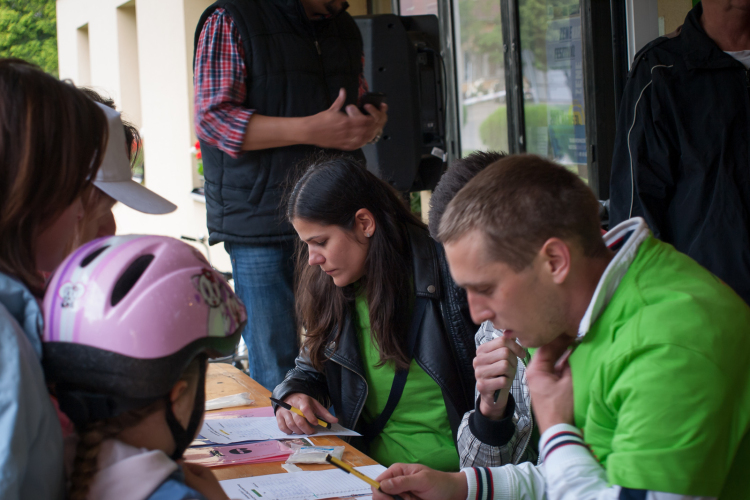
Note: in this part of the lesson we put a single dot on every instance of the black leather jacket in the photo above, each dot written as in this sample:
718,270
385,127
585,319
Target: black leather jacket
445,346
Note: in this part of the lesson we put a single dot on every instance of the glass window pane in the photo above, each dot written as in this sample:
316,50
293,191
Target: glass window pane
418,7
552,60
672,14
481,76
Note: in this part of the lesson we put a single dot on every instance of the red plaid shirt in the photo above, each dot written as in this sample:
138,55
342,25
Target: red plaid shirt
220,75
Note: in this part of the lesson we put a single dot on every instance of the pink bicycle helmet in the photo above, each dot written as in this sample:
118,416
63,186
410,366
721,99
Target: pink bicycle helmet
124,317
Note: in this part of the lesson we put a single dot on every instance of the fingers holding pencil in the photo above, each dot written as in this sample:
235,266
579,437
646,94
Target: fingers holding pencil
419,482
299,412
351,470
310,413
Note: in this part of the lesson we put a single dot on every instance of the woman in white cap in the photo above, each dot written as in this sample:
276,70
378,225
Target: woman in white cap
114,181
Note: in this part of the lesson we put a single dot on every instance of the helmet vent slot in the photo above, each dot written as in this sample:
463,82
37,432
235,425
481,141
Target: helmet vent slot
93,255
129,278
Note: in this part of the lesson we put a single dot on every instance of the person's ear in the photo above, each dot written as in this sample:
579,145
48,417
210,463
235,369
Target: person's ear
364,222
556,259
182,403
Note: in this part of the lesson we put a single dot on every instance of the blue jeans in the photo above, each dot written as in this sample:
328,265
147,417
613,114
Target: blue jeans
263,279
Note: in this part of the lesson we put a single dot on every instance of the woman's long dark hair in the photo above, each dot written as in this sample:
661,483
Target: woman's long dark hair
52,141
330,192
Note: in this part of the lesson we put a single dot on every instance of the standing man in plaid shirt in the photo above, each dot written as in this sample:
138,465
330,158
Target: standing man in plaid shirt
276,81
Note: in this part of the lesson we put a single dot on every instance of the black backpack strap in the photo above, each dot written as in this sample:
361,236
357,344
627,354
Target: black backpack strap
371,430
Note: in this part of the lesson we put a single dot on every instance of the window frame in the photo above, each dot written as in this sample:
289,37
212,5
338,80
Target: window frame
511,26
605,68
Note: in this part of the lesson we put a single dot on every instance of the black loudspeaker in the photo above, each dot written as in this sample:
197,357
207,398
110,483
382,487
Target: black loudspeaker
402,60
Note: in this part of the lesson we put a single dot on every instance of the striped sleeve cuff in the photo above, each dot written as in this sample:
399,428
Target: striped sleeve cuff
480,482
489,483
562,441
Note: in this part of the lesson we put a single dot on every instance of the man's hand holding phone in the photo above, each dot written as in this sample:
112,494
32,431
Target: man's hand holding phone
347,128
375,99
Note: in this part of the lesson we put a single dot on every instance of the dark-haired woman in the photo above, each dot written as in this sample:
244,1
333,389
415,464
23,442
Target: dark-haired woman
389,341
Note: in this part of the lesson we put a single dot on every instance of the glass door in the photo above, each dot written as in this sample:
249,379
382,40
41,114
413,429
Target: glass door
481,76
553,92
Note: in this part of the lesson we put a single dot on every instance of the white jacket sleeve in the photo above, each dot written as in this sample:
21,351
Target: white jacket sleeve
573,473
525,481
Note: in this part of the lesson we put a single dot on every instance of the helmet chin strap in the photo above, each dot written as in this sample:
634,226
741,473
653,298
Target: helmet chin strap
183,437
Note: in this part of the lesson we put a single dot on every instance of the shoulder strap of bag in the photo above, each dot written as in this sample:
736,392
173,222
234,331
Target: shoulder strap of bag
371,430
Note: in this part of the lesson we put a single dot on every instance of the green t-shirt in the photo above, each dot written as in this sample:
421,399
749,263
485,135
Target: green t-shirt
662,380
418,430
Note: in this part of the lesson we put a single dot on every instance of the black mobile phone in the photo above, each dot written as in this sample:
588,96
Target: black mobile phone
374,98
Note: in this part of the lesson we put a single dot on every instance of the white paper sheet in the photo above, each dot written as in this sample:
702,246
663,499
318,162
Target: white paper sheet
236,430
302,485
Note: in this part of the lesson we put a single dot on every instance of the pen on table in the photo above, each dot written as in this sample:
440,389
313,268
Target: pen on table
351,470
291,408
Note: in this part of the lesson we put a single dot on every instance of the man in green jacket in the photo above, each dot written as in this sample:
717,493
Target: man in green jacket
641,383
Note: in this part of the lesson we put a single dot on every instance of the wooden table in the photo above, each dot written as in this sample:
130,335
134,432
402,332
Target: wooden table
223,380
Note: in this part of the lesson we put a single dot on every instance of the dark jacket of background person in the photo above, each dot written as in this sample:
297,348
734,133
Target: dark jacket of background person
682,153
445,346
295,67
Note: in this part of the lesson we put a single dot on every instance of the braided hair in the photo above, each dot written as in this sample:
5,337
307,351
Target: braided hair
93,434
91,437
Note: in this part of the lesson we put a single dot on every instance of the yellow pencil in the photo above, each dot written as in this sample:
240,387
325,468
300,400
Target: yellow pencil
351,470
291,408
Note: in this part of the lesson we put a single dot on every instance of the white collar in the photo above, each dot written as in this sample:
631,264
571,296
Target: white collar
129,473
635,230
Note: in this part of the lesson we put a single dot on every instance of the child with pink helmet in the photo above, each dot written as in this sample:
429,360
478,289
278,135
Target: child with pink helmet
129,323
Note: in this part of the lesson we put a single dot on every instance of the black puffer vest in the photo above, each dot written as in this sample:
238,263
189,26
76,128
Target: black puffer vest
295,67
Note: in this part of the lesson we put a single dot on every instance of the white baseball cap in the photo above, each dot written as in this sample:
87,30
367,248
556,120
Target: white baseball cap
115,178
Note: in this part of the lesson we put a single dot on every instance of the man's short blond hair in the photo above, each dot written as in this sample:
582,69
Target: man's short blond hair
520,202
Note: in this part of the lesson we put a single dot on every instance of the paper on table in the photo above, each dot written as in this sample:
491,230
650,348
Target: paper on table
214,456
307,485
263,411
235,430
287,441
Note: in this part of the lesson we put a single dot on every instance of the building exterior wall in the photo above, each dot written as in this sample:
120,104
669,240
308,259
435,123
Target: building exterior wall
140,54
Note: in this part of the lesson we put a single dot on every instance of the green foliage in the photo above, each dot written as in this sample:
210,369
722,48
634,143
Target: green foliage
551,130
533,21
480,28
481,31
534,16
535,115
415,202
137,164
494,130
28,31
